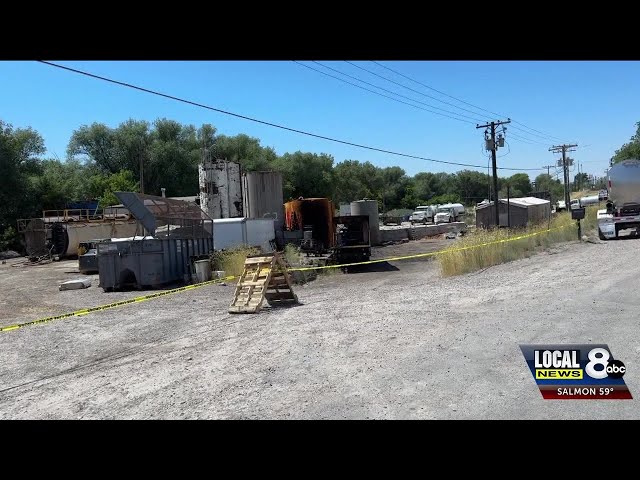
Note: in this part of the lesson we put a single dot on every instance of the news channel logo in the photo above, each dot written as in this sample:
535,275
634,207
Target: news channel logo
577,372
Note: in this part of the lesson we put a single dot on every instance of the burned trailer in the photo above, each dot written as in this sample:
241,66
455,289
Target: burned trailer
312,218
176,234
352,239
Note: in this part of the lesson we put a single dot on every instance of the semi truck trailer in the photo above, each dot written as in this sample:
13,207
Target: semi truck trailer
623,204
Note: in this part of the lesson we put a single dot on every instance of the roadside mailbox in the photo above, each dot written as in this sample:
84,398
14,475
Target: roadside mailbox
577,213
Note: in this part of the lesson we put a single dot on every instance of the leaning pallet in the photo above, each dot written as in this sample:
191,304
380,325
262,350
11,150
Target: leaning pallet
263,277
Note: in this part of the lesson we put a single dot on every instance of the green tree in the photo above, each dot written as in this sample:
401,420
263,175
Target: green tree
57,183
630,150
131,143
410,200
306,175
394,187
446,198
95,143
20,149
168,151
174,154
543,182
123,181
580,181
356,180
425,186
520,185
546,183
245,150
472,186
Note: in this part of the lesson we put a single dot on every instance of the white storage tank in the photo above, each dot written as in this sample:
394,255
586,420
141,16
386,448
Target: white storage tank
369,208
220,188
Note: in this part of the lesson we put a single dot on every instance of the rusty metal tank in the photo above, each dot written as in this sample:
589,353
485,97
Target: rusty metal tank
311,214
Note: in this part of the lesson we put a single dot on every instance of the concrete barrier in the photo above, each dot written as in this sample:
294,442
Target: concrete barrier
419,231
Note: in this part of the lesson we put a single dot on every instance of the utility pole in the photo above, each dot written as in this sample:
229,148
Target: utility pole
548,167
565,168
491,144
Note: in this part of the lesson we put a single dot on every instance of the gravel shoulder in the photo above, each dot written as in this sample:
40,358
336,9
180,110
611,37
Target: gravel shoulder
393,343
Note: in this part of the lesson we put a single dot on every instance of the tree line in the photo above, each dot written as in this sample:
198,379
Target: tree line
101,160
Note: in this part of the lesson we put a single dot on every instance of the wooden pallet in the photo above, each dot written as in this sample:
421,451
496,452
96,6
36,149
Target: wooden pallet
263,277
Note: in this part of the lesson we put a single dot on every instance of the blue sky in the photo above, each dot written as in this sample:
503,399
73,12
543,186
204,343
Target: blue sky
593,103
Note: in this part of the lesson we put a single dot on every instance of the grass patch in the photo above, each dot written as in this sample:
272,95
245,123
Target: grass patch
232,261
501,247
292,254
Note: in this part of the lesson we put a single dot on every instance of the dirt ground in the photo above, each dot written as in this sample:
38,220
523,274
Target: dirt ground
393,342
32,292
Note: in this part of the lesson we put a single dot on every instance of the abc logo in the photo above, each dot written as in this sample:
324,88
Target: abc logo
616,369
599,357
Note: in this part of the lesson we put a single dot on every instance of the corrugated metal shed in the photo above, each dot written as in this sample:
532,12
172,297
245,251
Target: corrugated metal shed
520,212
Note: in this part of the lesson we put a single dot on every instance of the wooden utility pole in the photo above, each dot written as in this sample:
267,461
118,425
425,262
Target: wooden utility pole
493,146
565,168
548,167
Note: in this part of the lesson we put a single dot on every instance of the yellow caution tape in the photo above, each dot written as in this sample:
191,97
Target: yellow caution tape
144,298
429,254
108,306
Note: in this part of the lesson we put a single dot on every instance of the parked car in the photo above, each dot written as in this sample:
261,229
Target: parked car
603,194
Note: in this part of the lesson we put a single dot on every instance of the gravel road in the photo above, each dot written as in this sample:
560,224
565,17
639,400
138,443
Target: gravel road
398,342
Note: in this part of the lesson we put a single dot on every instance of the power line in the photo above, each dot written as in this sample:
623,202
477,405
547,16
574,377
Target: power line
518,137
460,100
378,93
412,89
263,122
394,93
528,140
435,98
428,96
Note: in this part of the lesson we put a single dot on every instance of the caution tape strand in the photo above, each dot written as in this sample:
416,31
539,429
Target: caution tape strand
150,296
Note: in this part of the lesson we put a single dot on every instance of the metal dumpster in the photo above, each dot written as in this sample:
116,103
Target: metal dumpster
177,234
142,262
